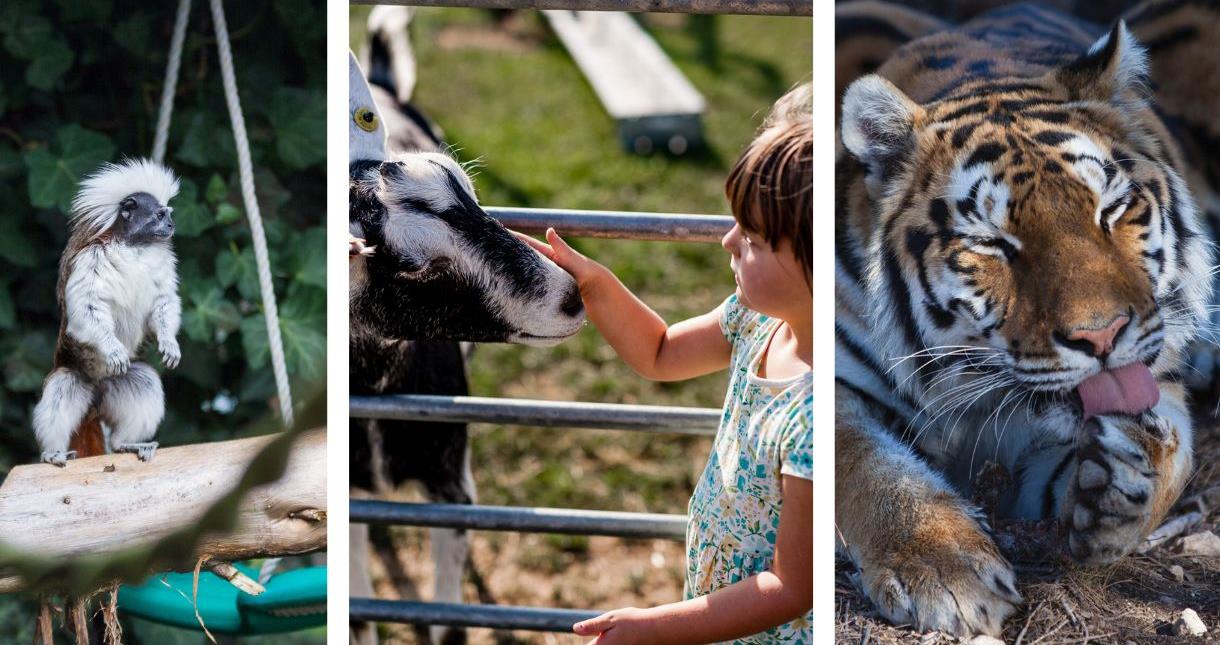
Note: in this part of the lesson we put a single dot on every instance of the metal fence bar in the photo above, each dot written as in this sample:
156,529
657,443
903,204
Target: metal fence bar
749,7
442,613
658,227
568,414
520,519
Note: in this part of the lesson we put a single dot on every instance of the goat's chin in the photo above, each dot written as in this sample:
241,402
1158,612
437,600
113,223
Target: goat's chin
522,338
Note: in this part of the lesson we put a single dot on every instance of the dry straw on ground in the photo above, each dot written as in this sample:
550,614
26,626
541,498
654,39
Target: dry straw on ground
1136,600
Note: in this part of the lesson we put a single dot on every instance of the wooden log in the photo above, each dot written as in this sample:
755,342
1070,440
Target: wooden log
104,504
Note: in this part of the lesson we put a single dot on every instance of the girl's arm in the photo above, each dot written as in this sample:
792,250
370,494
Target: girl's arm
653,349
746,607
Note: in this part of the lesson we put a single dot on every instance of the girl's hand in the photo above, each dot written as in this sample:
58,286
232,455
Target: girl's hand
584,270
629,626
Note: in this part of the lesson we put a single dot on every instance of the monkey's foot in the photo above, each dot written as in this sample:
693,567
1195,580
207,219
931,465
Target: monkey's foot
144,450
58,458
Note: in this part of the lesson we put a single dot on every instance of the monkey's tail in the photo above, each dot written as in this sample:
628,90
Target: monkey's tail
88,440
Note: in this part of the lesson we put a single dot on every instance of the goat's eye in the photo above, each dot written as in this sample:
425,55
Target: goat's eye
426,271
365,118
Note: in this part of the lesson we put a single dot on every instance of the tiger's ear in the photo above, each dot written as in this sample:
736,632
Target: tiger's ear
878,122
1115,69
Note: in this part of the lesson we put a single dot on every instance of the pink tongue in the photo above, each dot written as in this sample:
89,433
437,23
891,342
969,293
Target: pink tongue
1129,389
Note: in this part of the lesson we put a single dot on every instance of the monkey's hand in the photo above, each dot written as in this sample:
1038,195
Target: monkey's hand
117,360
170,352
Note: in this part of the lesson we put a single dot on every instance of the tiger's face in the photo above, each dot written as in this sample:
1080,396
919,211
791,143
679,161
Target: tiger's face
1034,232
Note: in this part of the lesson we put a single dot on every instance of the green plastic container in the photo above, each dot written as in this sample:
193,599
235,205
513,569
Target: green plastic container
294,600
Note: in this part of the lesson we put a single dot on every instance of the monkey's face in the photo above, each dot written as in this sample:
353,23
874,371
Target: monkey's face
143,220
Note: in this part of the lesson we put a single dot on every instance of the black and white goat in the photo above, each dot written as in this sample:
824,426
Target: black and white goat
440,270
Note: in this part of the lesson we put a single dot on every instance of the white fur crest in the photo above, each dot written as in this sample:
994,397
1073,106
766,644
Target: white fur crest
96,206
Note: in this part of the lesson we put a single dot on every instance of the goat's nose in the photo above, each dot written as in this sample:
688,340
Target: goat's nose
1097,342
572,304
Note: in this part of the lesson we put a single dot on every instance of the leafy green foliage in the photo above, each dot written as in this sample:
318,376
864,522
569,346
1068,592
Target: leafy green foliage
80,83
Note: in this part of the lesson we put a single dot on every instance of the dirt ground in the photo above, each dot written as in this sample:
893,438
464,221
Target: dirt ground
535,570
1135,600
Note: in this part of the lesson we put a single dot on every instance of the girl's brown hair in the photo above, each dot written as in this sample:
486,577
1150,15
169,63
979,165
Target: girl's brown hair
770,188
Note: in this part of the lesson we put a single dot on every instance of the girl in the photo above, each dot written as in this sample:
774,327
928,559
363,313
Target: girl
749,568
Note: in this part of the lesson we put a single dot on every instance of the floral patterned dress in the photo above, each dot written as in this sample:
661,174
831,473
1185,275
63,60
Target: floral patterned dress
766,431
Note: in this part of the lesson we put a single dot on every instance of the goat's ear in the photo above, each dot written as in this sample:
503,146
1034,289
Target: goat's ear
1115,70
878,121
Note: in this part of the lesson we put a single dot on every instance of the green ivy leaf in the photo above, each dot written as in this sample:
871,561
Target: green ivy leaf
300,332
10,161
301,20
132,33
15,245
227,214
217,189
208,141
209,313
28,361
8,311
254,341
256,386
308,257
238,267
27,35
271,193
299,119
200,365
304,345
15,12
33,38
91,11
190,217
53,61
55,172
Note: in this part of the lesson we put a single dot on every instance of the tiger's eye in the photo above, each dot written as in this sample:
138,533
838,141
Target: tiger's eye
366,119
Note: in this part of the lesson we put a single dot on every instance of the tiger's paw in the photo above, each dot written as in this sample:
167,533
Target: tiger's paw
1108,505
949,577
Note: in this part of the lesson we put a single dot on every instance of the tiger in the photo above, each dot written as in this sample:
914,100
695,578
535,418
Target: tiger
1023,257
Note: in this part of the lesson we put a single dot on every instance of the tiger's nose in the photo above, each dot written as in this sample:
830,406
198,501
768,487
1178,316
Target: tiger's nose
1097,342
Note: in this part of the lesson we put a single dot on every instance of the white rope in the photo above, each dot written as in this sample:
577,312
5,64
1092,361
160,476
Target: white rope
171,81
270,311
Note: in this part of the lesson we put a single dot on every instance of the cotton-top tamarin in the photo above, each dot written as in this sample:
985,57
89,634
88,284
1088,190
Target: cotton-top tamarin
118,281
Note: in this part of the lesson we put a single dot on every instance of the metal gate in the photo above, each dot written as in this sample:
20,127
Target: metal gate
642,418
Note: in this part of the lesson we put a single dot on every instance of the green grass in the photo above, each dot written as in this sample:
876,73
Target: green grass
511,97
